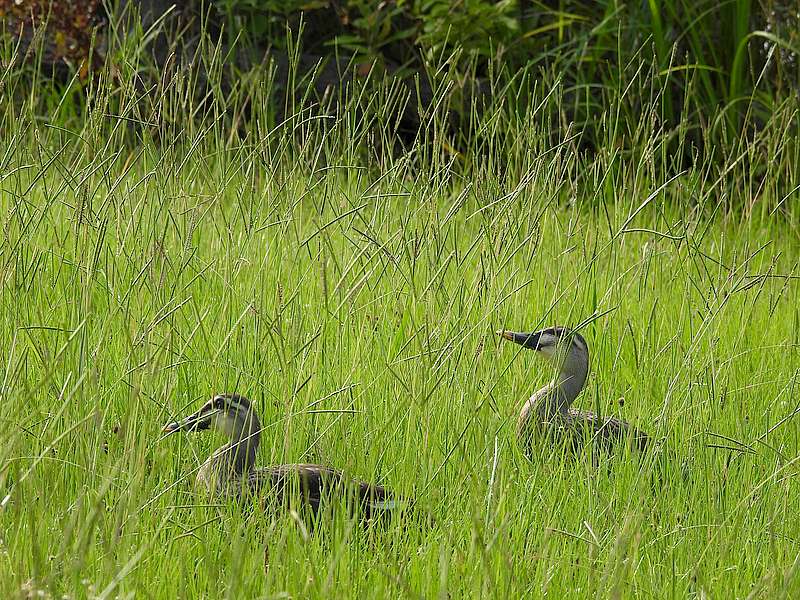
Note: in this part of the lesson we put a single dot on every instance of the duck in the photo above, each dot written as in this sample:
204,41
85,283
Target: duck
230,471
549,410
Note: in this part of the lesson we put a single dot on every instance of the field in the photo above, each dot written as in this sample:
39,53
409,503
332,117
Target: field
354,296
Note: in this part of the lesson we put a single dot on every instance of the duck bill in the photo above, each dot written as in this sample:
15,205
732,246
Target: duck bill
528,340
196,422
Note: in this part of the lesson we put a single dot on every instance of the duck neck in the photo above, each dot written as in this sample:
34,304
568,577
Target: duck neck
238,456
556,398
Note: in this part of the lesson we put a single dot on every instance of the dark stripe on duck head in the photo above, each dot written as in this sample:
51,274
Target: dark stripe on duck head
232,402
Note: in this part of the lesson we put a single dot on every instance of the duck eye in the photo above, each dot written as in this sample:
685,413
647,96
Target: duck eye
219,402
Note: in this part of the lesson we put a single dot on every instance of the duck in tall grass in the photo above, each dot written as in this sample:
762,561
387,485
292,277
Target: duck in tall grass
230,471
549,410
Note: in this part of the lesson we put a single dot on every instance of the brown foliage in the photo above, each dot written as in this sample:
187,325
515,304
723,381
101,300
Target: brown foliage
67,27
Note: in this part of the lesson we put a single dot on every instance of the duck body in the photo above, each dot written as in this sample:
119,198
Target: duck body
311,483
578,427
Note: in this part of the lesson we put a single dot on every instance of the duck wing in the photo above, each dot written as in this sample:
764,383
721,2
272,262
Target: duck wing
609,430
315,483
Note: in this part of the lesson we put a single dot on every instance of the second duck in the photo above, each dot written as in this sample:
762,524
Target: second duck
549,410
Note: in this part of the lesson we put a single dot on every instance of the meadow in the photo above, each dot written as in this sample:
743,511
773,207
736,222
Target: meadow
352,290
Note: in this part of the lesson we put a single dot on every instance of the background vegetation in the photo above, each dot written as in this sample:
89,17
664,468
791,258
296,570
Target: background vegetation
183,218
715,78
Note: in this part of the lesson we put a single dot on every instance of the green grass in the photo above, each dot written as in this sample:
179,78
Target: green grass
353,295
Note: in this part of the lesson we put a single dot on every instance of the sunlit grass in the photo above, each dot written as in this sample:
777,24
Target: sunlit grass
353,295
